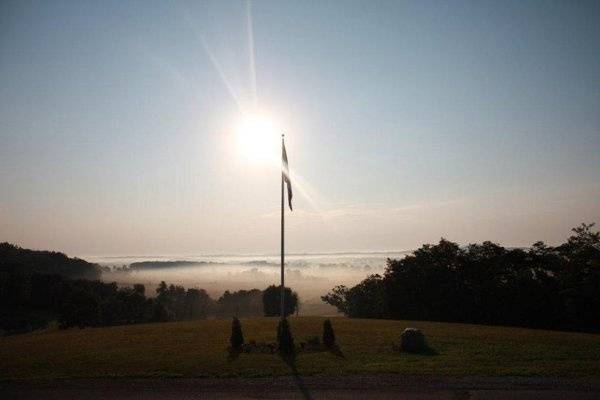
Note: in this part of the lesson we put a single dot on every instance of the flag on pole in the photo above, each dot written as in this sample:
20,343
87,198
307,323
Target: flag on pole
286,175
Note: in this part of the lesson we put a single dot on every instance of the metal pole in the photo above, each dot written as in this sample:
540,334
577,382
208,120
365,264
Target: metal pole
282,237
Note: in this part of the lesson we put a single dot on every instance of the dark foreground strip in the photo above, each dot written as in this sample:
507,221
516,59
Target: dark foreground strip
314,387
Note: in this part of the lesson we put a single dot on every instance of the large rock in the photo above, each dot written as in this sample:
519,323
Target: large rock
412,341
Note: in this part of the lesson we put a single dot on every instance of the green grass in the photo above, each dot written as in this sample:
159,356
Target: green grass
198,348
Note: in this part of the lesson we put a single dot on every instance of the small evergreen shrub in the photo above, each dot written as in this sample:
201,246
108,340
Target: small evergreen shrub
328,334
237,337
285,339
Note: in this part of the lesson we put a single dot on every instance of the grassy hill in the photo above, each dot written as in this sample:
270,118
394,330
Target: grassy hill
25,261
197,348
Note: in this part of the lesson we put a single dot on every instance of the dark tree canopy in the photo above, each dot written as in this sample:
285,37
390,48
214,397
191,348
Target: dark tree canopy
243,303
183,304
545,287
272,301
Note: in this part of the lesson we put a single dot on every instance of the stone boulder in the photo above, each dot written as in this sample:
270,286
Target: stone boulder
412,341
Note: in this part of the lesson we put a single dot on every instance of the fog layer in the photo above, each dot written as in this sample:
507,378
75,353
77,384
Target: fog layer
311,276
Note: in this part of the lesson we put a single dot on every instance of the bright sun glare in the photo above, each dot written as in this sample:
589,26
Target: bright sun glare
257,138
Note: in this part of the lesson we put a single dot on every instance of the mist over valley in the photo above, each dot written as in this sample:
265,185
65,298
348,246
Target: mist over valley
310,275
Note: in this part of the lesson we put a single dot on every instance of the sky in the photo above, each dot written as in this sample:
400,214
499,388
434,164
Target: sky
405,122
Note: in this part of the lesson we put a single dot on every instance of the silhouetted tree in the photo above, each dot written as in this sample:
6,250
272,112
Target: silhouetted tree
237,337
328,334
580,278
338,297
366,298
198,303
139,288
160,313
162,292
272,301
242,303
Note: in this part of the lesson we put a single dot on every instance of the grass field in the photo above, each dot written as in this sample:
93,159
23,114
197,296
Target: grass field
198,348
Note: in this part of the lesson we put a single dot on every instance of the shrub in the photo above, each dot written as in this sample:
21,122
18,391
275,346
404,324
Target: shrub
237,337
412,341
328,334
285,339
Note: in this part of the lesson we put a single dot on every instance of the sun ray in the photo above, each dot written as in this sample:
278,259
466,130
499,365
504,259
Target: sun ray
251,52
306,191
219,69
213,59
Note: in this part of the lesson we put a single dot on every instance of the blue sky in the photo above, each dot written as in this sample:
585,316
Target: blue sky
405,121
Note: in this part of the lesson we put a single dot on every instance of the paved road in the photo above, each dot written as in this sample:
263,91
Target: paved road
359,387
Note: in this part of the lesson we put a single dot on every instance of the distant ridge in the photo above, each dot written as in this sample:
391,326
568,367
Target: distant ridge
145,265
18,260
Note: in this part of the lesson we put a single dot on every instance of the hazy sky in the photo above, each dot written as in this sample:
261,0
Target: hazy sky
405,121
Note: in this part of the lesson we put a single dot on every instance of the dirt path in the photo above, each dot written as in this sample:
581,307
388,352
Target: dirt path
358,387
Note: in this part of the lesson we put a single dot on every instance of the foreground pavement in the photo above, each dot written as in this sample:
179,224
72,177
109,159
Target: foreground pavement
296,387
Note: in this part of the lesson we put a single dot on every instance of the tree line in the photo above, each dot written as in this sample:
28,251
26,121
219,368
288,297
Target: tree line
32,302
31,296
541,287
16,259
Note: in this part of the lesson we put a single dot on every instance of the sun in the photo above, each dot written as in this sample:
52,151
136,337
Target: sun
257,138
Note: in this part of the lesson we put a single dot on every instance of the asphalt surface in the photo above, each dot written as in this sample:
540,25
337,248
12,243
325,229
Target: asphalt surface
296,387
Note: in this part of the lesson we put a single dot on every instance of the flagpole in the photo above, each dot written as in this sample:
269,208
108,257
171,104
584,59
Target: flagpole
282,237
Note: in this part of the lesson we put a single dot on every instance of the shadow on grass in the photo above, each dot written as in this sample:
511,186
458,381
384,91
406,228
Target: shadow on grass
428,351
232,354
290,360
336,351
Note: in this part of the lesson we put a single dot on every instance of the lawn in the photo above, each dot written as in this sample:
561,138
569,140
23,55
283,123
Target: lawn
198,348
